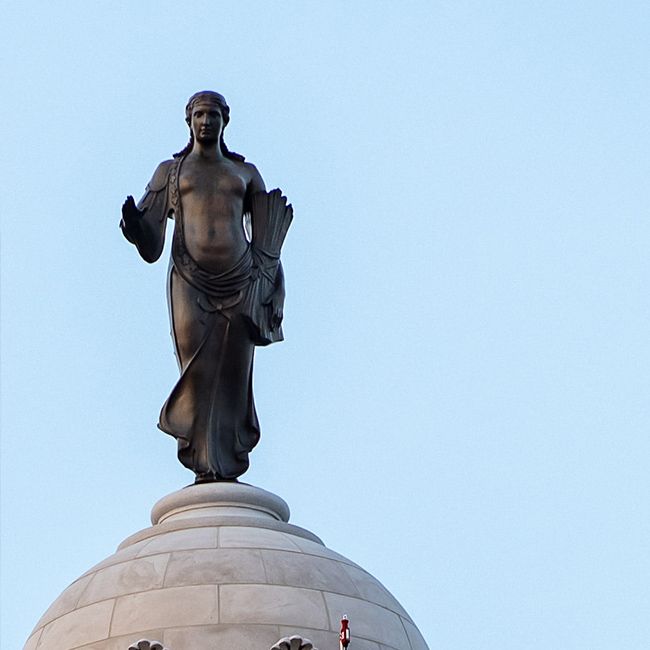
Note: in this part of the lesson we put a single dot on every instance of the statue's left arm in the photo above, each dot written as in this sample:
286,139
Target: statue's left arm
275,302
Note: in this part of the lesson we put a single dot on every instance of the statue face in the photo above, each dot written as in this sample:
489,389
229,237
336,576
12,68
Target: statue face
206,122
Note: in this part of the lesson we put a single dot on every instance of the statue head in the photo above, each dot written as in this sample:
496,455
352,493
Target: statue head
215,99
207,97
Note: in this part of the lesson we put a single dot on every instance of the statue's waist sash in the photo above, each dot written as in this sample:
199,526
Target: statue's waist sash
215,285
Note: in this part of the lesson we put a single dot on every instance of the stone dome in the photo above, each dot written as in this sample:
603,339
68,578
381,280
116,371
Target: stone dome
221,567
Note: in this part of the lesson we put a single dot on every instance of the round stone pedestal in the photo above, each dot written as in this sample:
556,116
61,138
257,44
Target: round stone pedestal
221,567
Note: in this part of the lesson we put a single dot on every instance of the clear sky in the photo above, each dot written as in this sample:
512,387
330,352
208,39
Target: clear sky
461,402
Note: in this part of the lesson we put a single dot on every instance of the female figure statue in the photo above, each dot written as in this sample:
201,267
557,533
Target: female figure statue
225,289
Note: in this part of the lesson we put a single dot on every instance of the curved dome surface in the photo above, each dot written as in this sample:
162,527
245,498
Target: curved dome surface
221,567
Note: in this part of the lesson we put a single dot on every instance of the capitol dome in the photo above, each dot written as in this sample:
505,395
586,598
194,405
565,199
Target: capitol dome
221,568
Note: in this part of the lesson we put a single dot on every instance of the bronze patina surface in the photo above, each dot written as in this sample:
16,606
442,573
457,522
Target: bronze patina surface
225,286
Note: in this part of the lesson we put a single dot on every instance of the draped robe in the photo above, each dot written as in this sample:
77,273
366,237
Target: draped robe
216,321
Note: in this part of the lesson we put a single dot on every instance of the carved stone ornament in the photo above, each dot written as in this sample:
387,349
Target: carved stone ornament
294,642
145,644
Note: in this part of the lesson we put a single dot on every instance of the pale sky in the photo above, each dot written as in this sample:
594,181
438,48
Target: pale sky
461,402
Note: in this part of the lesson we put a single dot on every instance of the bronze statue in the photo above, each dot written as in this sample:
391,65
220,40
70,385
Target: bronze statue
225,286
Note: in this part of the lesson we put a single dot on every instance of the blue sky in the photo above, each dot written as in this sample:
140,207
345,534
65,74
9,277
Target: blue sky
461,402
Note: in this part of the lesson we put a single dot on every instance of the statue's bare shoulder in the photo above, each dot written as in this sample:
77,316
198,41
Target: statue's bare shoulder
255,182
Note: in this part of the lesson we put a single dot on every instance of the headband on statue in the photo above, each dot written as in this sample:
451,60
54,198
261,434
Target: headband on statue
207,96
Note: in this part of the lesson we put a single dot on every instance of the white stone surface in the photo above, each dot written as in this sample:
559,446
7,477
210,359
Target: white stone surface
371,589
66,602
216,566
312,548
415,638
124,578
220,499
251,537
272,604
179,540
83,625
199,581
300,570
33,640
196,605
121,555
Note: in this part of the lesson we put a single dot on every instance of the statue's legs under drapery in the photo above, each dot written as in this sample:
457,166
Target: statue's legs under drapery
210,411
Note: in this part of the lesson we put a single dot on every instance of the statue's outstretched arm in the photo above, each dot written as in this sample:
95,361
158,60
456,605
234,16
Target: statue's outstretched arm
144,225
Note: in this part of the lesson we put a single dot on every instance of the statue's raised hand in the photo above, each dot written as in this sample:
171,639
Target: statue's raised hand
131,215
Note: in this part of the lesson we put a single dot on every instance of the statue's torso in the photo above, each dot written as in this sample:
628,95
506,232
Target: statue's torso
212,200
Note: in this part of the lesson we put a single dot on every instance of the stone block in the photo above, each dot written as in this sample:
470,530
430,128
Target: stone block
130,577
77,628
416,639
122,555
371,589
164,608
272,604
32,642
180,540
312,548
250,537
65,603
310,571
215,566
